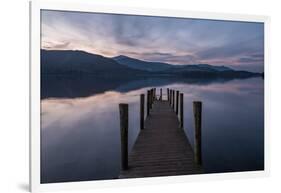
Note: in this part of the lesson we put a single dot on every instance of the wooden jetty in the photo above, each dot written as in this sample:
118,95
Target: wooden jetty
161,148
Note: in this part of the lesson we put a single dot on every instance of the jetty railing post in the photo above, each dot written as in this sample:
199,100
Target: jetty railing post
173,100
171,95
177,102
147,102
152,95
160,94
123,110
197,110
181,110
168,98
151,98
150,101
142,111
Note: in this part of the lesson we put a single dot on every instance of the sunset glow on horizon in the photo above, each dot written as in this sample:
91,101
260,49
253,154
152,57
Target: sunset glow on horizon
239,45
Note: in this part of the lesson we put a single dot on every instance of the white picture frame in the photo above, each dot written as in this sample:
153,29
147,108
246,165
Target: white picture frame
35,40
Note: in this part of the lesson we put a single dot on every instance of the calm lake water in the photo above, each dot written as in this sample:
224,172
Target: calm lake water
80,135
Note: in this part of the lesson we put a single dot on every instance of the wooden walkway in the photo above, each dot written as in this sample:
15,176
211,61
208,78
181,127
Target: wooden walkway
162,148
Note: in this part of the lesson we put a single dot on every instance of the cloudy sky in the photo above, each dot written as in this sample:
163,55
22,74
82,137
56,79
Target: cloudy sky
177,41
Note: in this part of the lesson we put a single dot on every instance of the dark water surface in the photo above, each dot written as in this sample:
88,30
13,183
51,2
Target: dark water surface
80,134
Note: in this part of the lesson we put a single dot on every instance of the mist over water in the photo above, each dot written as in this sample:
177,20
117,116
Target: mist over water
80,134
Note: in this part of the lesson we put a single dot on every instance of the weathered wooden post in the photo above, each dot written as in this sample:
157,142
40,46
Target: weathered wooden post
173,100
181,110
168,98
197,110
177,102
147,102
160,98
123,110
151,98
142,111
171,97
152,94
150,101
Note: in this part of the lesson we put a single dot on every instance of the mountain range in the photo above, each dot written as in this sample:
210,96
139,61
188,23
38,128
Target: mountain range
80,62
160,66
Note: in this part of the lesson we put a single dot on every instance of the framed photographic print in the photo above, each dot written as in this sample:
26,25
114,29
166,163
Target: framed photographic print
129,95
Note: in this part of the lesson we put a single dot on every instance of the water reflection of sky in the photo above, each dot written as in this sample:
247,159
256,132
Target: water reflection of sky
80,136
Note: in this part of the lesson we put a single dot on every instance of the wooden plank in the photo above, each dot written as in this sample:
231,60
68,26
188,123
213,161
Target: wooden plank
162,148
